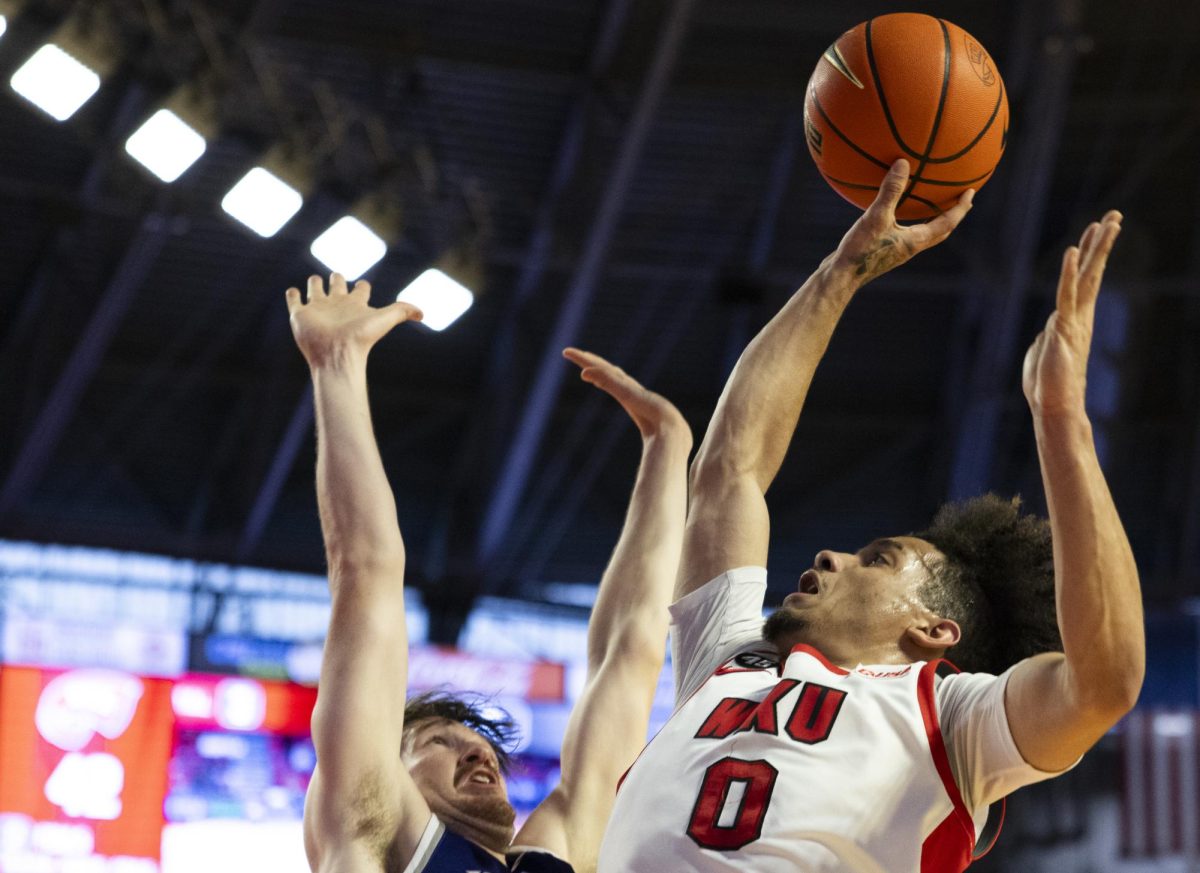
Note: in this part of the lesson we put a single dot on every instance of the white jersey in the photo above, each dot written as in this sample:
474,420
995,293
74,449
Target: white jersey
802,766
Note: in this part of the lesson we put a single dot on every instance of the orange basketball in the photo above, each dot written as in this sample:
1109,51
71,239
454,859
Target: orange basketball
906,86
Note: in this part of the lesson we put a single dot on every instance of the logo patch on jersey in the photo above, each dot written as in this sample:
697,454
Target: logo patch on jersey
748,661
884,674
812,715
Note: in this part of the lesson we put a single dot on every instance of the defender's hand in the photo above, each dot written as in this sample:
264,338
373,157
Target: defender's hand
1054,375
342,322
877,243
653,414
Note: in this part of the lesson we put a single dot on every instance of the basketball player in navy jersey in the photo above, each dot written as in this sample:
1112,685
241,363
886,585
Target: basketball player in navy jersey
420,789
832,738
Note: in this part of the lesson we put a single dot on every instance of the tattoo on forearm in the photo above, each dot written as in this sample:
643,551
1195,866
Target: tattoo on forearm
889,252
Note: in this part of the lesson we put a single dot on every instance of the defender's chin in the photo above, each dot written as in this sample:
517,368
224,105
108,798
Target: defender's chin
485,818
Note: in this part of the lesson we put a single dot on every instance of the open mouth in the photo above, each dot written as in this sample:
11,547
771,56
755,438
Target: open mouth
480,777
810,582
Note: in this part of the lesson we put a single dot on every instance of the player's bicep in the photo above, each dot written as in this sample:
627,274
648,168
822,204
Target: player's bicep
727,527
1050,726
363,791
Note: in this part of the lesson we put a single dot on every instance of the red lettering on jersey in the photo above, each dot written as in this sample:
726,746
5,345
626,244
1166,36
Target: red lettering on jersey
727,716
763,718
815,713
705,827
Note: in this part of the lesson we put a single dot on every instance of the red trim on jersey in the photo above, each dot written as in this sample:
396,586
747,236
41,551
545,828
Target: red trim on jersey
994,837
948,848
825,662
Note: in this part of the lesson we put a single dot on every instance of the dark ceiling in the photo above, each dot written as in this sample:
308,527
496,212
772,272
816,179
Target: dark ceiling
633,176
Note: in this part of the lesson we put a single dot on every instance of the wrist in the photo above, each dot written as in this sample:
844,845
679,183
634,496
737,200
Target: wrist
1066,421
840,273
671,438
337,359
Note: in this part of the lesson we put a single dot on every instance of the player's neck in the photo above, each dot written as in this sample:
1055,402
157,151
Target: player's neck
847,657
492,837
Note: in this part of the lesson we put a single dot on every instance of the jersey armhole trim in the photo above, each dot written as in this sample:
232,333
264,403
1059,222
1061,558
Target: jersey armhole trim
425,846
990,834
927,701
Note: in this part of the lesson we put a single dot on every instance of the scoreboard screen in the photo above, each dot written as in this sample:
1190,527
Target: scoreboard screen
103,771
106,771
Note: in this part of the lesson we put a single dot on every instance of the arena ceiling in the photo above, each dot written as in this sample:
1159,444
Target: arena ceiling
633,177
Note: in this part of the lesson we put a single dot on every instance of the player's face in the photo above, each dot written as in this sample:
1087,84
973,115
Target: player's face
857,606
457,773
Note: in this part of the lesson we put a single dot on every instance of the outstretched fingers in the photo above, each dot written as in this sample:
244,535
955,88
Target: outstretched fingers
1068,280
337,285
1091,270
400,310
940,227
606,376
294,304
1103,237
891,189
316,288
583,359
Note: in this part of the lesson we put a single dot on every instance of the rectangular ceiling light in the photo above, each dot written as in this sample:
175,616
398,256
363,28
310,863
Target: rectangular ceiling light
262,201
55,82
439,297
3,25
166,145
349,247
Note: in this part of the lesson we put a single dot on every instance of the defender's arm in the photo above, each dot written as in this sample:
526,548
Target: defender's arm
627,631
361,800
1059,705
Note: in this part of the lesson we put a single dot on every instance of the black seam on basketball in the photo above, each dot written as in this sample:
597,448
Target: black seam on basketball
862,187
988,126
887,113
937,210
937,115
842,136
950,183
918,180
846,184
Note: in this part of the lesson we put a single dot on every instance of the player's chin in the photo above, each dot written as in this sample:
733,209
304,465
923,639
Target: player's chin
492,807
784,626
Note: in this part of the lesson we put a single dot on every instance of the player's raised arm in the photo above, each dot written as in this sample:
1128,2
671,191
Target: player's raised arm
361,800
756,415
1059,705
627,631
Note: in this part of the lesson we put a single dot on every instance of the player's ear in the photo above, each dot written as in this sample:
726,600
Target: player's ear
937,634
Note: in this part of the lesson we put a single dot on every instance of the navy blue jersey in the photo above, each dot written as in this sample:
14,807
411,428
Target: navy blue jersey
442,851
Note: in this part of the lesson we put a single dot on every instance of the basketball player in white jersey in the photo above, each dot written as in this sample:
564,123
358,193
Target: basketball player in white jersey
420,788
831,739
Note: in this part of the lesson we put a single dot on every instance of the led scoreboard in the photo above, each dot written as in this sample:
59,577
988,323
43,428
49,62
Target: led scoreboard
97,766
109,771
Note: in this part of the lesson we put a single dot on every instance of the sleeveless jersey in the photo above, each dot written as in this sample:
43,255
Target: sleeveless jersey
443,851
797,767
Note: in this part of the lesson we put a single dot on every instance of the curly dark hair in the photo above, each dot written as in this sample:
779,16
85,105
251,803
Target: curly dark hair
467,709
997,582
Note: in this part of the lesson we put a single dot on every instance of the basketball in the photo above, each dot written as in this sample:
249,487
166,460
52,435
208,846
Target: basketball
906,86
